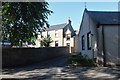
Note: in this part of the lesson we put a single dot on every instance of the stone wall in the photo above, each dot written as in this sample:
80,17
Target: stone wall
12,57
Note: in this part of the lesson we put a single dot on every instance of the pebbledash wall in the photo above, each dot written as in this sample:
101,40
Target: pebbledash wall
14,57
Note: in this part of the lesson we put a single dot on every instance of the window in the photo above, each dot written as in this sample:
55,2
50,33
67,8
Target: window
68,36
56,43
83,42
56,34
41,36
68,44
89,41
48,34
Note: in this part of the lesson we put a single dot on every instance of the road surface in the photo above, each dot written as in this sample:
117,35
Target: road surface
58,69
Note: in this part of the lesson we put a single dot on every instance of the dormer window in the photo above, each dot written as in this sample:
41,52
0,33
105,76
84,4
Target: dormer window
68,36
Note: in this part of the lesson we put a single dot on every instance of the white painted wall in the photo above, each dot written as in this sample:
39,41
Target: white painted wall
111,44
111,39
88,25
100,53
37,42
61,39
52,35
71,41
76,42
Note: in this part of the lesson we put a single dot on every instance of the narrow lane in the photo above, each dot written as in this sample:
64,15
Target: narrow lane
24,72
58,69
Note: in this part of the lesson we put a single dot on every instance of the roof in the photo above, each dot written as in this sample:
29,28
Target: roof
56,27
103,17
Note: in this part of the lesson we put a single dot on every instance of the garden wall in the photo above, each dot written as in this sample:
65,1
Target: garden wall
12,57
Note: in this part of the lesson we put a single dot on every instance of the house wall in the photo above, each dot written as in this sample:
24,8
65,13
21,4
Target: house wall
105,40
88,25
111,44
111,47
100,54
119,43
76,42
52,35
59,38
72,44
71,41
44,34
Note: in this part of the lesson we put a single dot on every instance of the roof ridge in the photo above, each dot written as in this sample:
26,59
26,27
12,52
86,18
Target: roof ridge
58,24
105,11
104,17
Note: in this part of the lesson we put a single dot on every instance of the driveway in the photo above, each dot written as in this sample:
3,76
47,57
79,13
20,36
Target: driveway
58,69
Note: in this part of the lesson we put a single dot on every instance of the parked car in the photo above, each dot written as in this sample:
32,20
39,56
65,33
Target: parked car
5,43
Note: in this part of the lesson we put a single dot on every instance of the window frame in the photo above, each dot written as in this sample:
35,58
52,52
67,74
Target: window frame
89,40
56,34
41,36
83,42
48,34
67,44
68,36
56,42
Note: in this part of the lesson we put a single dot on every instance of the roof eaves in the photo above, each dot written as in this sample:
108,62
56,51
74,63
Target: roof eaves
82,21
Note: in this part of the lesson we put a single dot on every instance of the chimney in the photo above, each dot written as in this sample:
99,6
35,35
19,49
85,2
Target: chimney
69,21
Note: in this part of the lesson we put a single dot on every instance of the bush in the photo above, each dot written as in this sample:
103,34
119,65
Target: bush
79,60
46,41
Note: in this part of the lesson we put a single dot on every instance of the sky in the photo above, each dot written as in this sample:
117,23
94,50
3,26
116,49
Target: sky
74,10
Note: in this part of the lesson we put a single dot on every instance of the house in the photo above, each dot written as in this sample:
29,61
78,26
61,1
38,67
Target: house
61,34
99,36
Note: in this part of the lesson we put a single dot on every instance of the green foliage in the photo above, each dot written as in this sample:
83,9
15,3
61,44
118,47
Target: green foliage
22,21
79,60
46,41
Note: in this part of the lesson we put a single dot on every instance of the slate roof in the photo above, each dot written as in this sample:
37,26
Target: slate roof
103,17
56,27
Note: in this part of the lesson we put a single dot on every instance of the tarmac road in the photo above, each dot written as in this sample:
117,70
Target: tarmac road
58,69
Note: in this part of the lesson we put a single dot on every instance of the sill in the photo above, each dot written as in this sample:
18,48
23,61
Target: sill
89,48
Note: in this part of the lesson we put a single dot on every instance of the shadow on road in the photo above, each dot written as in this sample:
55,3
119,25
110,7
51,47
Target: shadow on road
58,69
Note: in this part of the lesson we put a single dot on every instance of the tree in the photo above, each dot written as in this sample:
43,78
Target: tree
46,41
22,21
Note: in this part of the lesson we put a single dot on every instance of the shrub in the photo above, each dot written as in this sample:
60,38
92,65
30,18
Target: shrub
79,60
46,41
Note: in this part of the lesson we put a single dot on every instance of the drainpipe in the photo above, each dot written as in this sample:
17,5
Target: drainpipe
103,42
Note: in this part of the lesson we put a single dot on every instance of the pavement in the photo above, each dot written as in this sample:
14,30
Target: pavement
58,69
